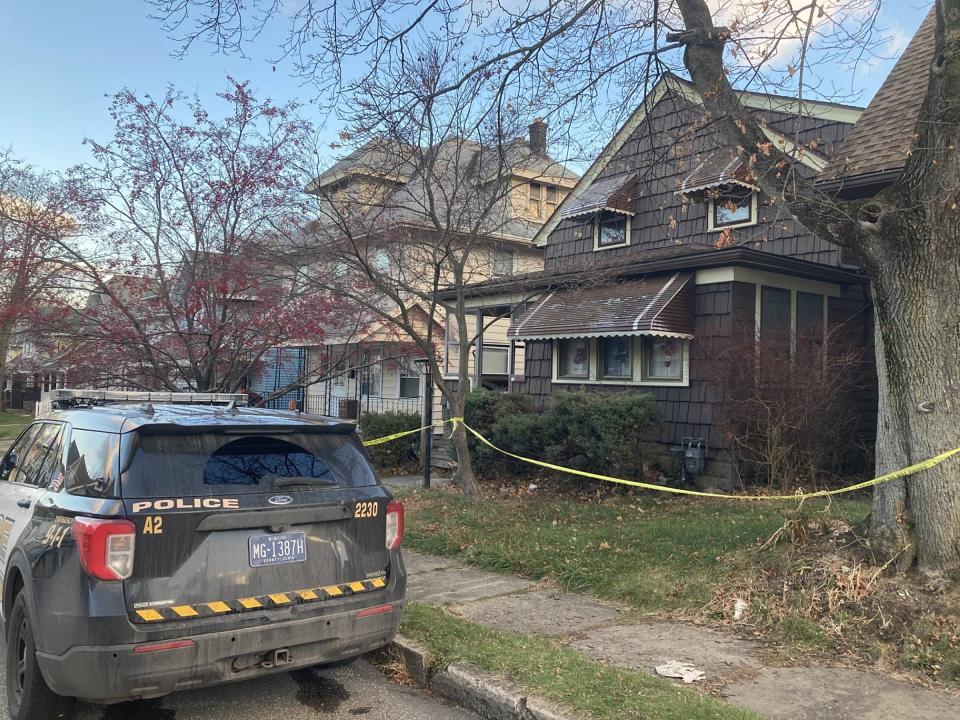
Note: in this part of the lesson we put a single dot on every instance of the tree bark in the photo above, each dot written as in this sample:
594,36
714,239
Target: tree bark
465,477
890,525
918,319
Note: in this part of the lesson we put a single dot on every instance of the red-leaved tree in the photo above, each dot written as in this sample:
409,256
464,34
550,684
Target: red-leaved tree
182,208
37,216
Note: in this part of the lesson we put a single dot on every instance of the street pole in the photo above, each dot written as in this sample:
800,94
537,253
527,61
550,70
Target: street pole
428,414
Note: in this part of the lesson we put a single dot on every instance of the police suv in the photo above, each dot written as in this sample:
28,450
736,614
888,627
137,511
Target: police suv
150,547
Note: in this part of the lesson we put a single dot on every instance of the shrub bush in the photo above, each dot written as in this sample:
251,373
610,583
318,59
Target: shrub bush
396,455
601,432
506,420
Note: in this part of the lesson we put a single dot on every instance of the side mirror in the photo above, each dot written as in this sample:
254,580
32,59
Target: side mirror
10,461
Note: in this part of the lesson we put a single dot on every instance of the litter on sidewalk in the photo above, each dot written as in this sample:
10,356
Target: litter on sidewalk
683,671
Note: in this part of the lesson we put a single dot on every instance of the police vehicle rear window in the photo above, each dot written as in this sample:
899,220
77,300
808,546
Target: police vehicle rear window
211,464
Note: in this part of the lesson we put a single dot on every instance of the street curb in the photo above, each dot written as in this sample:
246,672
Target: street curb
470,687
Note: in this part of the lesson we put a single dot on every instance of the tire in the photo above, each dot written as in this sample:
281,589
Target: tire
28,697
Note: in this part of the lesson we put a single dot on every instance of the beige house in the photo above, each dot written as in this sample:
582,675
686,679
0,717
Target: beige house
381,204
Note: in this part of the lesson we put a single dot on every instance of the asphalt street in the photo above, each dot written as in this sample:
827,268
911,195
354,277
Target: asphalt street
357,691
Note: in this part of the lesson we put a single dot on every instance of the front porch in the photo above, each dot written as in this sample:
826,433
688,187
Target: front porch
365,377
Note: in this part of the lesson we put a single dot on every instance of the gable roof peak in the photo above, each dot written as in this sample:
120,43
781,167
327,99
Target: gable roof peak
669,84
877,147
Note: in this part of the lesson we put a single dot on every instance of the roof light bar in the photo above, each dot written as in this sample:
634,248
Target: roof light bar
95,396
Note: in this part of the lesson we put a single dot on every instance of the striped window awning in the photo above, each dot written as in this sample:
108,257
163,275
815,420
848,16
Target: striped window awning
616,193
723,167
661,305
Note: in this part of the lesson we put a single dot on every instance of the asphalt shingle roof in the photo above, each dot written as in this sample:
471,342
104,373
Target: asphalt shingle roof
881,139
616,192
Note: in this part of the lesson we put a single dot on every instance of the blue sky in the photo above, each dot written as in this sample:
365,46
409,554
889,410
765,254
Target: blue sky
61,59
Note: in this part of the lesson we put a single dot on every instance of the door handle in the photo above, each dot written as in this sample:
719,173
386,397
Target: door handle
23,502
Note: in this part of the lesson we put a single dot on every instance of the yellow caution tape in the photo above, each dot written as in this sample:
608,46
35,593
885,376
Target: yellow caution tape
396,436
923,465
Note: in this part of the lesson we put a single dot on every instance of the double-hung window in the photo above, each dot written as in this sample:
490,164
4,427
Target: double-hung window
791,325
409,379
663,359
503,262
543,200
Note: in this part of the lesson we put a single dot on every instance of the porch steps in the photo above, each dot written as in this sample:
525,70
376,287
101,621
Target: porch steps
443,455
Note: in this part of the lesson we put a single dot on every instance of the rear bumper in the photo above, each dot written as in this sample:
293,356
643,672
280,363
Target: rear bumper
114,673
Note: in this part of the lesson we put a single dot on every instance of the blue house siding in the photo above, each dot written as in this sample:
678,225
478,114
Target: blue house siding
281,367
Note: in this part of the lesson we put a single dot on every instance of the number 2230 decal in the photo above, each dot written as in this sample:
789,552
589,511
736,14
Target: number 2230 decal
366,510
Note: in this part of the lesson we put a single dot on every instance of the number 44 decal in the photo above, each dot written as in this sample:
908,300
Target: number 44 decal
55,535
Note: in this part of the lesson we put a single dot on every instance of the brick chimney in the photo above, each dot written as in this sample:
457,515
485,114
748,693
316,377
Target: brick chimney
538,137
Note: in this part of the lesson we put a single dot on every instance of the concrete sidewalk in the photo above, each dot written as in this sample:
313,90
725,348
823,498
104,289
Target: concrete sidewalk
734,668
414,481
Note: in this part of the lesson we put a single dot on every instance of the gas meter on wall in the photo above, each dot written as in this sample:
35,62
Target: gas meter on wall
694,454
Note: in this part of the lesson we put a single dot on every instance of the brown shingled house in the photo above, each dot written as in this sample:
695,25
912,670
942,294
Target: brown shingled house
690,253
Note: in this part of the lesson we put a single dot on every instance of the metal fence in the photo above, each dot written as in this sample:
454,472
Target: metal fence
350,408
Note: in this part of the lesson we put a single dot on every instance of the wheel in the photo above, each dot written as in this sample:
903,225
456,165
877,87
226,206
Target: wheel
28,697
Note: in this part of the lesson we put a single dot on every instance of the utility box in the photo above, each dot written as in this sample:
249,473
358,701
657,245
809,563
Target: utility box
694,455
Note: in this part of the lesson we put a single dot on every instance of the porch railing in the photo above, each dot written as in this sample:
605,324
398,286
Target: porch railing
350,408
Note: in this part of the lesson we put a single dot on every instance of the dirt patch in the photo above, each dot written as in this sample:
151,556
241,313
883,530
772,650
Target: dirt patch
820,595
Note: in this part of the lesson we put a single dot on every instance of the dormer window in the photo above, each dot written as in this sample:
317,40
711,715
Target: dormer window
543,200
611,230
731,207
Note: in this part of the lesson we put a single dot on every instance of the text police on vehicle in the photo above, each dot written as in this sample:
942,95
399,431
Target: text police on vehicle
149,547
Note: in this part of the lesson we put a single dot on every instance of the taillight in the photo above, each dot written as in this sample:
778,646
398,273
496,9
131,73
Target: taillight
394,524
105,547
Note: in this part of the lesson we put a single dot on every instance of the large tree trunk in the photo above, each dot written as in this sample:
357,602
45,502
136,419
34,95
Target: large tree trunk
916,289
465,477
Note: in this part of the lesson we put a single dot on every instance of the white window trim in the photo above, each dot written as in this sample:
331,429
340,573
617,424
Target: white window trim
596,233
637,357
746,223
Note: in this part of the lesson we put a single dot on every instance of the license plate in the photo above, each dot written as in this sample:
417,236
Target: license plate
277,549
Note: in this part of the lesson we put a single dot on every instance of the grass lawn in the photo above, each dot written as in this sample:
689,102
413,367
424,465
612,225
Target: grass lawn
12,422
651,553
559,674
816,590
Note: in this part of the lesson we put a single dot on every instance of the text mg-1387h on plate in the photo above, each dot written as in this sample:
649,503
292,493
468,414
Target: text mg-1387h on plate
277,549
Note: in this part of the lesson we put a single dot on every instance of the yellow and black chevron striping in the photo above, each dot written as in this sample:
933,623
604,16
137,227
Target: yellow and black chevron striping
260,602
